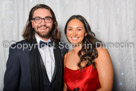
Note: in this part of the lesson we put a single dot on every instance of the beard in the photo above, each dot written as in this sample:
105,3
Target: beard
44,35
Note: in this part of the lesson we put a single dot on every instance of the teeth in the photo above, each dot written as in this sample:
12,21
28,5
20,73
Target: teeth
43,28
74,38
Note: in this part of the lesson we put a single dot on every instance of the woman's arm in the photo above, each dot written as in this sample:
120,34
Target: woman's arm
105,69
65,87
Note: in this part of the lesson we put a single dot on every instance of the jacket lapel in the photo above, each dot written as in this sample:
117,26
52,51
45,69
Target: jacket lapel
35,67
58,64
43,68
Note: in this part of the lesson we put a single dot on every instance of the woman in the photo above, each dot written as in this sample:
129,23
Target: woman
88,66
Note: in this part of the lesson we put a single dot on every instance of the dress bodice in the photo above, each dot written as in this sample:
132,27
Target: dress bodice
85,79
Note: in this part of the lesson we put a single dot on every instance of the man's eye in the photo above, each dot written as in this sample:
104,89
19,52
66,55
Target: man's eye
48,19
37,18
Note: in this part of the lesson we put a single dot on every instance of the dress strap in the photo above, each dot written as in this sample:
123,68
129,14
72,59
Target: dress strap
65,57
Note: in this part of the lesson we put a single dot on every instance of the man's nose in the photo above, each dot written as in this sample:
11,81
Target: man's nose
43,22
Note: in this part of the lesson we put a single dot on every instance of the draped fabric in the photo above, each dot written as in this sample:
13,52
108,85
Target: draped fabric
113,22
83,79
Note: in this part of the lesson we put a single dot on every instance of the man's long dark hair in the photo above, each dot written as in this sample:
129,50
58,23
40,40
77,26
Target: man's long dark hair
29,32
87,53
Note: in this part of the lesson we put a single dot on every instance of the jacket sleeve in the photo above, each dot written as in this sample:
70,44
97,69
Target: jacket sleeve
12,74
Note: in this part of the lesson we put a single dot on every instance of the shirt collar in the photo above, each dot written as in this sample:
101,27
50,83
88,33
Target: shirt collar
38,39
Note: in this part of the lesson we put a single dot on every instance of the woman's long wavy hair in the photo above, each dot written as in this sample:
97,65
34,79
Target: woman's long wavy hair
29,32
87,53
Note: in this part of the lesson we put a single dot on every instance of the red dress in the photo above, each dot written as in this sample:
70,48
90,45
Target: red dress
85,80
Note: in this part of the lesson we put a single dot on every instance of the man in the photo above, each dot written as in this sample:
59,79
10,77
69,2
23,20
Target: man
36,63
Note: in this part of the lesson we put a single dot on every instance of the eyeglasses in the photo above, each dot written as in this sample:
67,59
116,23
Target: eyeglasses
38,20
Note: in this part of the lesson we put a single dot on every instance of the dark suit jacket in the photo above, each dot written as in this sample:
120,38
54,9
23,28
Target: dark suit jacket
17,76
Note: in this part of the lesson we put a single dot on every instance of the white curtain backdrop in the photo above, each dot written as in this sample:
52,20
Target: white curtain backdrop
113,21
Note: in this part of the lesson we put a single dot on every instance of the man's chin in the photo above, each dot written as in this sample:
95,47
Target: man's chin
44,35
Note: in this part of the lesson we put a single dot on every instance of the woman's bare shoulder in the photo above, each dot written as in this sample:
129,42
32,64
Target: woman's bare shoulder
103,54
101,49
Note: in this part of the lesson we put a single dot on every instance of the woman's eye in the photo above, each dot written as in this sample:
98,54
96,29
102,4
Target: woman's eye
69,29
79,29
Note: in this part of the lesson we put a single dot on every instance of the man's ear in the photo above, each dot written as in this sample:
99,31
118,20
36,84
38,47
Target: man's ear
85,34
32,24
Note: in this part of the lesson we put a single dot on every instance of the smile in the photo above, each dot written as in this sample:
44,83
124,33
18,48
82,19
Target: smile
43,28
74,38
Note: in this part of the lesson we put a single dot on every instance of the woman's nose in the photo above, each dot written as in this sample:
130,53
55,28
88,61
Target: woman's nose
74,32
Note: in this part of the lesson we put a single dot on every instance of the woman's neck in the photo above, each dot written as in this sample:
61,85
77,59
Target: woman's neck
76,49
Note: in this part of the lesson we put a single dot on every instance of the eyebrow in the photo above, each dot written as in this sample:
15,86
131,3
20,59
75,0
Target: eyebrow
74,26
44,17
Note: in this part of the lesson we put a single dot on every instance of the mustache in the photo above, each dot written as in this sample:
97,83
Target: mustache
43,26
